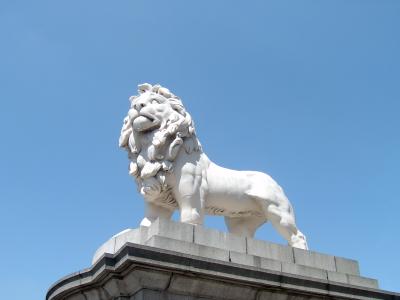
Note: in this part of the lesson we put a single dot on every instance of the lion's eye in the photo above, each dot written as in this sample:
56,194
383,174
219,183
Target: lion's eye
154,101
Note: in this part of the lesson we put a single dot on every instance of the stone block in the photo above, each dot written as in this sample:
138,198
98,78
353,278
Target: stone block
270,264
255,261
107,247
188,248
115,287
170,229
95,294
267,295
304,271
347,266
156,279
241,258
314,259
275,295
269,250
337,277
363,281
77,297
132,283
147,294
266,263
195,286
219,239
136,236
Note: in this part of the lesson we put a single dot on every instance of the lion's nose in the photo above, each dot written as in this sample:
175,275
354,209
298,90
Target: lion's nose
139,105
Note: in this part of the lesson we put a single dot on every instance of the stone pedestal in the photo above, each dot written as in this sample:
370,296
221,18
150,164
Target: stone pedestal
171,260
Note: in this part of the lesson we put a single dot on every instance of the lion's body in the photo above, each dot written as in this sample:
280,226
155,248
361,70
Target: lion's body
242,189
172,172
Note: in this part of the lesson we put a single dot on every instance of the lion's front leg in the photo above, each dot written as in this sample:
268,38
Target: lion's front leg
191,208
191,199
152,212
189,182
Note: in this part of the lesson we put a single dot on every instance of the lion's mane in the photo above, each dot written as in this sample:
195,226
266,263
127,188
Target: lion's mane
175,135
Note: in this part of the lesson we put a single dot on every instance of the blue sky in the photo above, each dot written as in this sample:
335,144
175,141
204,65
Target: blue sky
307,91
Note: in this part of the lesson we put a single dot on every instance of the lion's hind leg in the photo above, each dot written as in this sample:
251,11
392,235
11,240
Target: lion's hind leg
282,218
278,210
244,226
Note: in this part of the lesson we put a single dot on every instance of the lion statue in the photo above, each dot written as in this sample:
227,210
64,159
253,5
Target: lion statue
172,172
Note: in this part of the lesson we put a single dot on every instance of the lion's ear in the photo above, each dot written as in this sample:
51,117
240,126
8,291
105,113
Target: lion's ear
164,92
144,87
125,133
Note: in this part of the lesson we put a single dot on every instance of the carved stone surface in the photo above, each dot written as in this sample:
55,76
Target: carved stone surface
154,264
172,172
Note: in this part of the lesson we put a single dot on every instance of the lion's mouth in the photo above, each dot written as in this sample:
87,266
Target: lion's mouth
148,116
144,122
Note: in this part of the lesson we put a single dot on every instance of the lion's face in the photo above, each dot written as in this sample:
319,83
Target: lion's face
148,111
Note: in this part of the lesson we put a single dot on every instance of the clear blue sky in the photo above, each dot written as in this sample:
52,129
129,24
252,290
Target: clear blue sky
307,91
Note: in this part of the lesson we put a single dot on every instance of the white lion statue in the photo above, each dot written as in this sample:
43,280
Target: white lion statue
172,172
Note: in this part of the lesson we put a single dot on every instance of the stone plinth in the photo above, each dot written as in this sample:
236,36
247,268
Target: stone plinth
170,260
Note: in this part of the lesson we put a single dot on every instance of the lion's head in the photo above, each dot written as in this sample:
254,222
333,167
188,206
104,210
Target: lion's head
154,132
153,107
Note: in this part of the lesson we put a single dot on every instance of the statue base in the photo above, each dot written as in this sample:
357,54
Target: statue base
176,261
